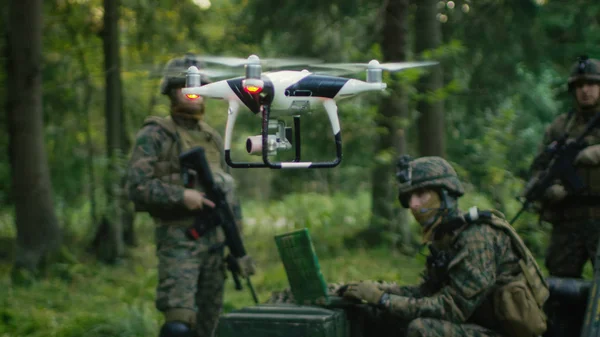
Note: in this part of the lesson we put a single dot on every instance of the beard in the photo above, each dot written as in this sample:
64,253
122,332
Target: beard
191,110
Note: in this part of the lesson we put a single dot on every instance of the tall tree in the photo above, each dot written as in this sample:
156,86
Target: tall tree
390,121
109,242
38,232
428,36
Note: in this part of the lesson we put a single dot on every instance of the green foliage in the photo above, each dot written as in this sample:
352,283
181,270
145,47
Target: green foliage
333,218
81,297
505,66
502,86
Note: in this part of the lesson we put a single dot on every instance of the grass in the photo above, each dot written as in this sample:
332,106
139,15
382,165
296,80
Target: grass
85,298
91,299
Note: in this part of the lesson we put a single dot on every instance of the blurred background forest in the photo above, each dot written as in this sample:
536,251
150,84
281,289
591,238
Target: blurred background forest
75,260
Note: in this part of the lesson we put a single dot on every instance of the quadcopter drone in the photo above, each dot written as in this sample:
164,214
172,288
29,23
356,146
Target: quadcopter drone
284,93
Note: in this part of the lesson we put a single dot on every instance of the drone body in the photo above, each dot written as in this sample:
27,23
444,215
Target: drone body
285,93
288,92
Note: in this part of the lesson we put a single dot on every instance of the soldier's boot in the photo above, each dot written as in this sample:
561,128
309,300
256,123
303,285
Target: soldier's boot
178,323
176,329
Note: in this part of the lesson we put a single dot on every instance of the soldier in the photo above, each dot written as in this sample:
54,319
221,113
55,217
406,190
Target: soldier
575,218
480,278
191,273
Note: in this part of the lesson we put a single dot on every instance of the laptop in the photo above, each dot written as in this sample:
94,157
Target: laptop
303,270
302,267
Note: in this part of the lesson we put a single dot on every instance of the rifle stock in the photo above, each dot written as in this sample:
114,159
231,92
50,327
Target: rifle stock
194,166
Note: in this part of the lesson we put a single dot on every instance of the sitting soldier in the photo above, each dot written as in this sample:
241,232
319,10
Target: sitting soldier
480,278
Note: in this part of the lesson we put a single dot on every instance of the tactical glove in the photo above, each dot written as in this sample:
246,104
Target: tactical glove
247,266
555,193
589,156
389,287
366,290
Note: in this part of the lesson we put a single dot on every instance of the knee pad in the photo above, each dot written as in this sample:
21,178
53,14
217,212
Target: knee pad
176,329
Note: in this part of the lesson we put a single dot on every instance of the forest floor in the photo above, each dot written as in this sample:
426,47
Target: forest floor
83,297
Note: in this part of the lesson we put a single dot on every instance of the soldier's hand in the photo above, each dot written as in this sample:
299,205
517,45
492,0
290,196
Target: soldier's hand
589,156
195,200
555,193
369,291
247,266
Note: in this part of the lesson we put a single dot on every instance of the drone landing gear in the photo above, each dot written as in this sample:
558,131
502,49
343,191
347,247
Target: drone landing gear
269,144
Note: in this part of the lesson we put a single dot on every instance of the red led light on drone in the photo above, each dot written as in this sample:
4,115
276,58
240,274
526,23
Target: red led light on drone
192,96
253,89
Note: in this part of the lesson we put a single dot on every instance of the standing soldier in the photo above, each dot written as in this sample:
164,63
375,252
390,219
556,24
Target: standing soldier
480,278
575,218
191,273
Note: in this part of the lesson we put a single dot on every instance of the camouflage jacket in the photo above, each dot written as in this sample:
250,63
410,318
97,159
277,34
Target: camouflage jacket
153,177
482,258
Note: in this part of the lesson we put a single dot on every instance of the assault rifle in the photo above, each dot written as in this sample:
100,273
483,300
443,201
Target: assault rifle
562,154
195,169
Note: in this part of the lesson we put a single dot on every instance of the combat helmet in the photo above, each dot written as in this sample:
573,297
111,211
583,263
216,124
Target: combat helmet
175,70
426,172
585,69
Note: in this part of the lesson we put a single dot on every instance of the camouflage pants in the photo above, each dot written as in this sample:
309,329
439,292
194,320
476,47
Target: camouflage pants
428,327
572,244
191,278
375,322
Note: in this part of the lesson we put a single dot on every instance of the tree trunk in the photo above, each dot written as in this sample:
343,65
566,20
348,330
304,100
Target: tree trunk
108,242
38,232
428,36
126,206
393,113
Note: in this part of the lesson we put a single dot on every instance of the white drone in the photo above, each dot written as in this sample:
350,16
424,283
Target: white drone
285,93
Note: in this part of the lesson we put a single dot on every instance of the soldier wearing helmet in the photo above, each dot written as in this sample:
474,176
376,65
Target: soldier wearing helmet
191,272
476,262
575,218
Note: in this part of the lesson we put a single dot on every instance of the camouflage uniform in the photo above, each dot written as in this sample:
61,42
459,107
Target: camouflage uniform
454,298
575,219
469,262
191,273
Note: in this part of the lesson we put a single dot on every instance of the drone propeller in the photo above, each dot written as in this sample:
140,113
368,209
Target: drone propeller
207,72
374,68
266,62
389,66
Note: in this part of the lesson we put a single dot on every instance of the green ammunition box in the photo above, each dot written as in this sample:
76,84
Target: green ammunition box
284,320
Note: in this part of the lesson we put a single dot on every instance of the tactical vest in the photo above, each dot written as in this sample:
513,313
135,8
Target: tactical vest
167,167
517,303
